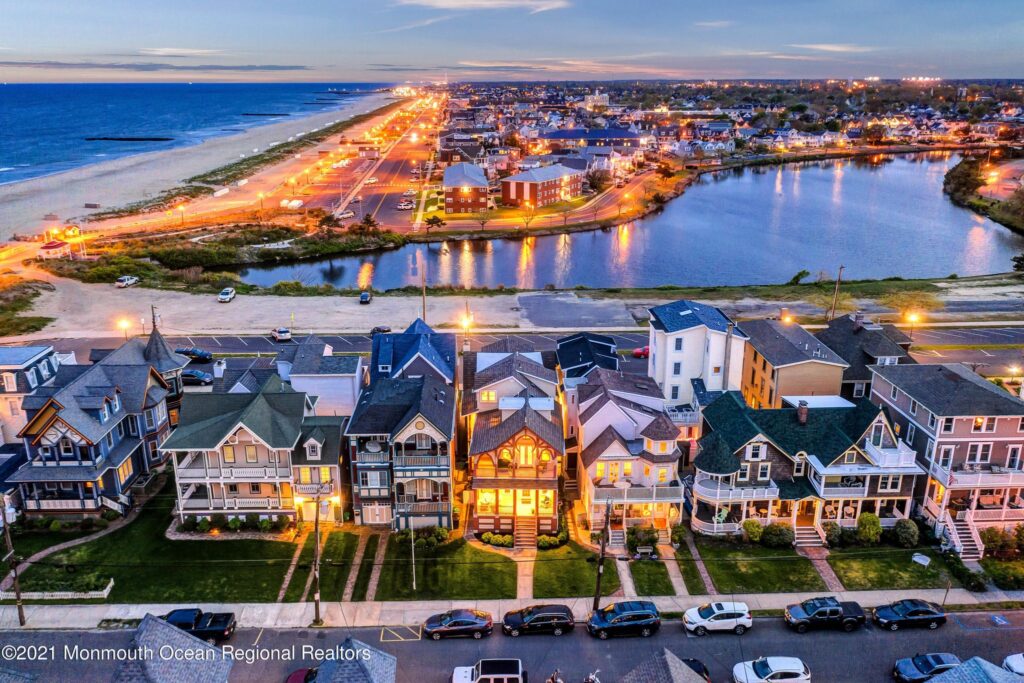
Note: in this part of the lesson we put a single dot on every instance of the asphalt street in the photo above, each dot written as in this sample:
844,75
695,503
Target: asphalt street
863,656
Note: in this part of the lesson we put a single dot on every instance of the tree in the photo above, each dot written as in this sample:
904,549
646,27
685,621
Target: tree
874,133
483,218
869,528
598,180
434,222
795,280
1018,263
529,213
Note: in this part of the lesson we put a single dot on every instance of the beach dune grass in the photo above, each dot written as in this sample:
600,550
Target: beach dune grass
747,568
571,572
455,570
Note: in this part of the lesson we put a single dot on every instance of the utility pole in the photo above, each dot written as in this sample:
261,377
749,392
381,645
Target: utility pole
600,558
423,290
14,568
835,294
412,545
317,621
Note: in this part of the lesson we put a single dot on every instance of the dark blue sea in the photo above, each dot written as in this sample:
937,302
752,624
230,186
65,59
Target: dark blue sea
43,127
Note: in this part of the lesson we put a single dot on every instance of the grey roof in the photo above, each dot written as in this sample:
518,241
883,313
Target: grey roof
389,405
155,633
250,373
37,473
950,390
309,359
464,175
685,314
580,353
274,414
664,667
154,350
859,344
491,431
377,667
542,174
418,340
12,676
17,356
976,670
325,430
518,366
788,343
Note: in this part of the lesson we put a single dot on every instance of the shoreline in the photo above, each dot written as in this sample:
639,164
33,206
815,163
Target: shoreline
136,177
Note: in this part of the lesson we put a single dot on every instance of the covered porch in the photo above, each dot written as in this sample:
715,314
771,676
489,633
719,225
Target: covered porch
500,509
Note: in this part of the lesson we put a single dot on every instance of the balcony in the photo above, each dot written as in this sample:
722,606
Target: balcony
373,458
235,504
683,416
711,489
548,471
323,488
424,508
624,491
901,456
422,461
237,473
842,491
713,528
62,504
977,476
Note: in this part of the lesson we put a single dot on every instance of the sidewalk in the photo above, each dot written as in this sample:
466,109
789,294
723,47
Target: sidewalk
369,614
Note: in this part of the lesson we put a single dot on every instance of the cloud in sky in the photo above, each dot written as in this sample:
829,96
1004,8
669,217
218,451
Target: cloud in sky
722,23
533,6
845,48
149,66
539,66
417,24
178,52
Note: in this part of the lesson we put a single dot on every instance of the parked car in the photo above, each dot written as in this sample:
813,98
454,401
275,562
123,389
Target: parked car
380,329
346,215
226,295
404,206
365,297
1015,664
923,667
718,616
553,619
194,377
698,668
127,281
209,626
642,352
824,613
409,193
458,623
281,334
630,618
372,181
491,671
195,354
904,613
306,675
767,669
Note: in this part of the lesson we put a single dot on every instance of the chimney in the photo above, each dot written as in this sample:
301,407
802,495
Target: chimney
728,353
801,412
858,320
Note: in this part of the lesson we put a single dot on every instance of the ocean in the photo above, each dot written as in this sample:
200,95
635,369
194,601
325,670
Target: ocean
49,128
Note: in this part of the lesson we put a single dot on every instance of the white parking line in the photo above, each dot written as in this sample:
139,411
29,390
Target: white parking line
345,340
986,353
244,343
190,342
216,340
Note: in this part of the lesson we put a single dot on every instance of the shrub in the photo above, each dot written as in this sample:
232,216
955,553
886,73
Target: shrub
971,580
429,543
189,524
906,533
421,543
101,523
70,525
440,534
486,537
777,535
252,521
87,523
847,537
996,540
110,515
282,522
219,521
203,525
833,534
235,524
753,530
869,528
1018,533
264,525
595,536
55,525
637,536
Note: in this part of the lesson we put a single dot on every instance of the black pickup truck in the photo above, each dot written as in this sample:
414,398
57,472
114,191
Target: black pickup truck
203,625
824,613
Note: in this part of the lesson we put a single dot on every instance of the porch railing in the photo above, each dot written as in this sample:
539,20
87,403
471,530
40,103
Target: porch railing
62,504
697,524
421,461
710,488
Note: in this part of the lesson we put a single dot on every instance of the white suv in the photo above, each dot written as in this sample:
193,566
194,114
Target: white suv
718,616
771,669
127,281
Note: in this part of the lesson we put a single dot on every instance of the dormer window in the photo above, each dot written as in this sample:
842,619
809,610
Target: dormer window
31,377
67,449
850,458
103,412
384,368
313,450
488,396
44,370
757,451
10,382
115,404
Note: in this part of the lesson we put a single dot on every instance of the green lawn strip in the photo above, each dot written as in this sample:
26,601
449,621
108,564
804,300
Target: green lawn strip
651,578
455,570
28,543
365,569
888,568
1006,574
565,572
748,568
297,584
147,567
338,552
691,575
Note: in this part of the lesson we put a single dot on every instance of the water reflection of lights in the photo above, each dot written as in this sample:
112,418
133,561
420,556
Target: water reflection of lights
837,184
467,265
525,271
622,241
364,279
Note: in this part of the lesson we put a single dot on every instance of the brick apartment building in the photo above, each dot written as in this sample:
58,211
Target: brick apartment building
465,189
542,186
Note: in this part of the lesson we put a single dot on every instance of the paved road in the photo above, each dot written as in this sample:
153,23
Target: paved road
863,656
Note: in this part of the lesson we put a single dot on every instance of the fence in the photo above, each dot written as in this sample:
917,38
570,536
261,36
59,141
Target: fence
61,595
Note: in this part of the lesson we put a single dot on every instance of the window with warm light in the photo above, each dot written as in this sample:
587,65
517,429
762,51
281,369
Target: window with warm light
229,454
305,477
488,396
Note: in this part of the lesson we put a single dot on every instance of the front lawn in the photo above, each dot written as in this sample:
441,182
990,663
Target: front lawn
147,567
888,568
691,575
651,578
1006,574
365,568
28,543
747,568
336,564
571,572
455,570
297,584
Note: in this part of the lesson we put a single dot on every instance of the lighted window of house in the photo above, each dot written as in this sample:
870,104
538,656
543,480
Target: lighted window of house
600,470
325,474
488,396
662,475
229,454
304,475
546,502
504,457
506,501
485,502
526,451
627,468
250,454
647,470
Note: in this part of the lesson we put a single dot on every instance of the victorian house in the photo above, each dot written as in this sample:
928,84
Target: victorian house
90,434
628,456
23,369
419,351
401,446
261,452
968,435
799,465
516,443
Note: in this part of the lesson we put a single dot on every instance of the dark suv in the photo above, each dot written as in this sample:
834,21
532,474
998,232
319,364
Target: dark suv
632,618
553,619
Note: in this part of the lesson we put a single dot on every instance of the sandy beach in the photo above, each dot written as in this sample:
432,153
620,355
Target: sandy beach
121,181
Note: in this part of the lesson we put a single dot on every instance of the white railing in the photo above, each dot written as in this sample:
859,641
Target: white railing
423,508
844,491
362,456
639,494
932,508
952,533
1003,514
110,503
312,489
60,595
710,488
684,417
62,504
236,504
421,461
986,478
199,473
901,456
700,525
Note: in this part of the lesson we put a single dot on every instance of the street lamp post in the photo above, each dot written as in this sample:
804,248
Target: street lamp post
181,210
913,319
260,196
124,324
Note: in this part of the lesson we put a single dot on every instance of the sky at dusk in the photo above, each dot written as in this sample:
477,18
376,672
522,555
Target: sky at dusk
415,40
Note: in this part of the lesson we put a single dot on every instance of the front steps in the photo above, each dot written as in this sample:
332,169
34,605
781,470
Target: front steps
525,534
807,537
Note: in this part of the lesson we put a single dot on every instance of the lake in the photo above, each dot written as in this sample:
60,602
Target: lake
878,216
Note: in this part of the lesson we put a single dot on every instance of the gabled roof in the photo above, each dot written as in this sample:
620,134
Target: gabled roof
398,350
154,634
859,344
491,431
464,175
155,351
684,314
273,415
663,667
542,174
788,343
580,353
387,406
950,390
326,430
976,670
524,368
376,666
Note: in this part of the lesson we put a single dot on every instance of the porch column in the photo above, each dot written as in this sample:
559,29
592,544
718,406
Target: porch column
860,506
1005,504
